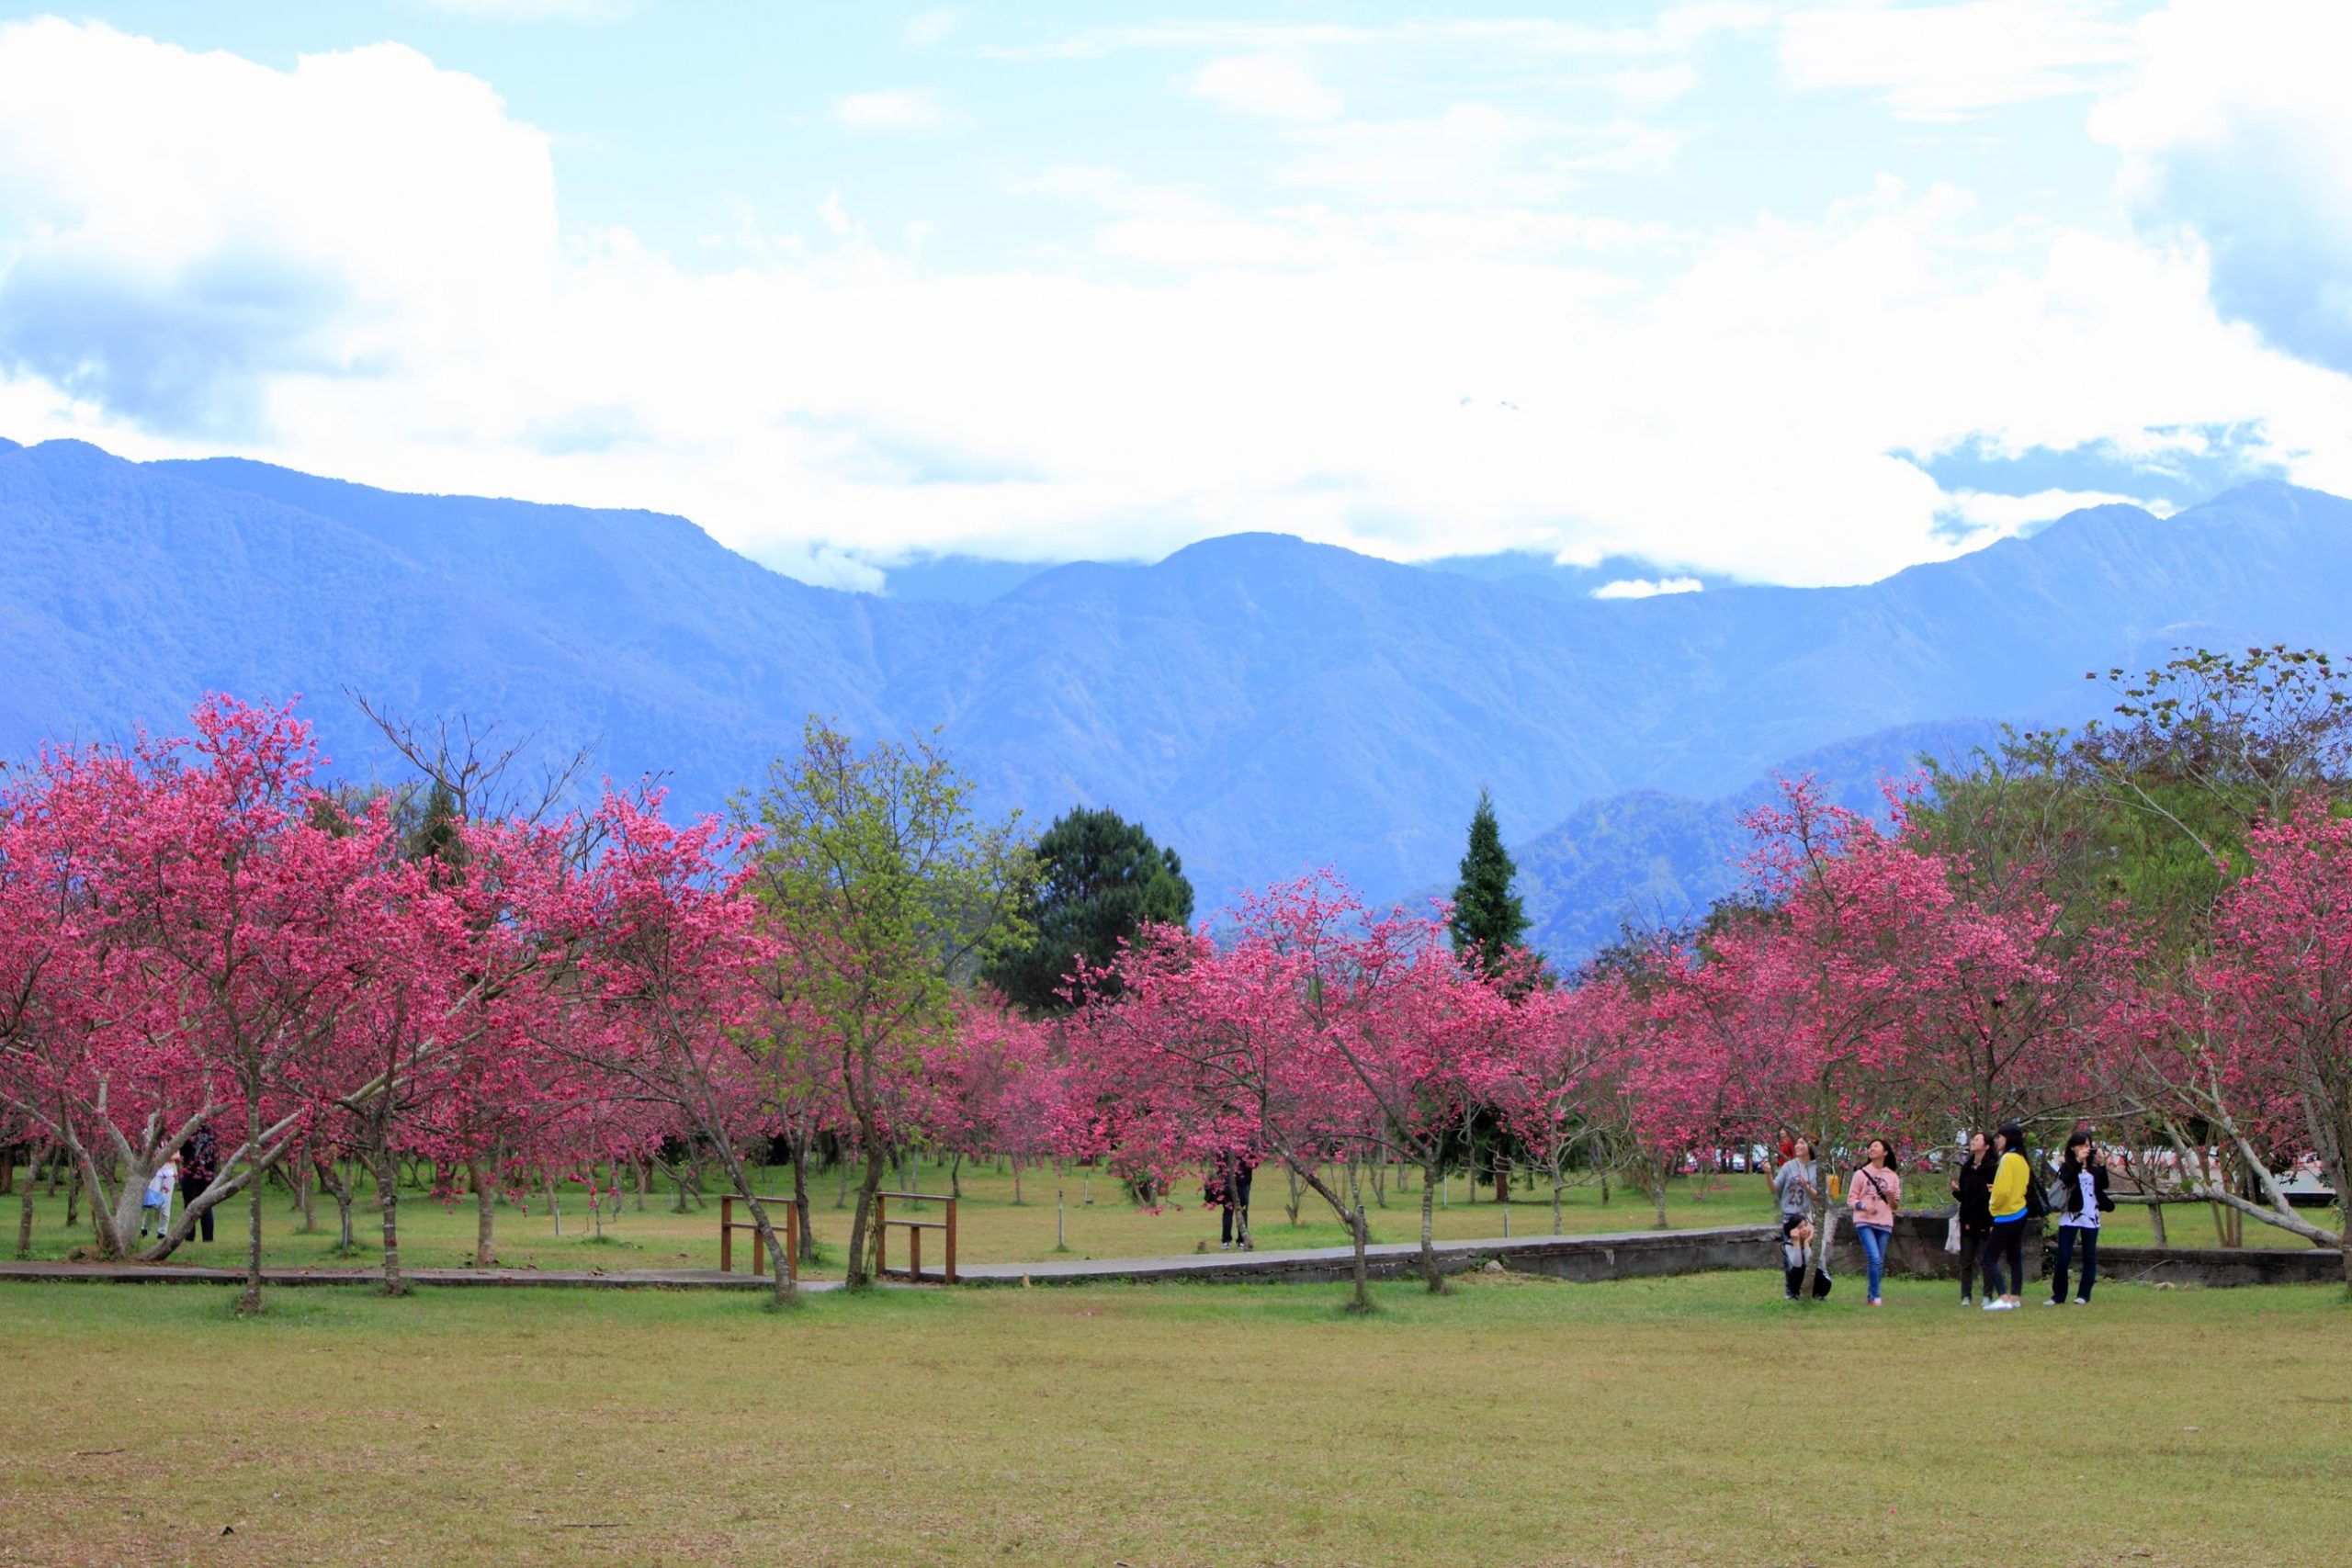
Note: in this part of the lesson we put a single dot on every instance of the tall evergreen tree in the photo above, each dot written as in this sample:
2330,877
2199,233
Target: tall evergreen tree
1100,879
1488,918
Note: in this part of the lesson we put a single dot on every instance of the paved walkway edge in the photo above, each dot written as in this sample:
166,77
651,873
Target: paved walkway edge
1620,1255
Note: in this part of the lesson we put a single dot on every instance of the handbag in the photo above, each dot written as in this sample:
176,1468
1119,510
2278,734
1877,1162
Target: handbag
1951,1233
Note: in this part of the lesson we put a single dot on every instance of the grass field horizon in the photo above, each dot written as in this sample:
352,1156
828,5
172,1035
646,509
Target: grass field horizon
1516,1420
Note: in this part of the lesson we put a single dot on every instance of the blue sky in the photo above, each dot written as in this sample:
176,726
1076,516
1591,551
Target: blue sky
1797,291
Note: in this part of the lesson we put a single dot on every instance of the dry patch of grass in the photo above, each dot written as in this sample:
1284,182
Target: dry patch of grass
1667,1421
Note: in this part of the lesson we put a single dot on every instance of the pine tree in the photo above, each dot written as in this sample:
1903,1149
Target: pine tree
1488,918
1100,880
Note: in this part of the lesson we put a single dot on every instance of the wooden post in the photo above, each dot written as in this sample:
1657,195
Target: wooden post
881,1238
727,1235
792,1242
759,1253
951,1241
914,1255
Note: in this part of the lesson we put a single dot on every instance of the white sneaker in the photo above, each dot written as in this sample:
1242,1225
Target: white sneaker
1994,1305
2050,1302
2082,1302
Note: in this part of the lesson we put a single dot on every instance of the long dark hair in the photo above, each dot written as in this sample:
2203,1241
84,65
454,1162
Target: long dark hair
2013,1137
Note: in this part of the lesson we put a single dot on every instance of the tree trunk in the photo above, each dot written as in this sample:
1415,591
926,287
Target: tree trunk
955,1177
800,1200
2157,1222
339,1191
24,1221
783,1294
251,1302
1016,1181
486,1215
387,1198
555,1203
861,1246
1826,1232
1558,1186
1431,1273
303,1188
638,1178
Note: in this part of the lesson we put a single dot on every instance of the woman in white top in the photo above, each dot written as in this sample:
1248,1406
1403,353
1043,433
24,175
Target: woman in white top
2082,1186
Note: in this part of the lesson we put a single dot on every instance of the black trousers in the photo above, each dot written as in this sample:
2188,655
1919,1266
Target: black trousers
2007,1244
2067,1236
1236,1211
1972,1256
189,1192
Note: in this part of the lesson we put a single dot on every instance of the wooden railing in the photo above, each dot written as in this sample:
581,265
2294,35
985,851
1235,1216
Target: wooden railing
728,1225
914,1229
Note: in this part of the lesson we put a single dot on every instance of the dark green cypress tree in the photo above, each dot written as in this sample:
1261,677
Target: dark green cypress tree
1488,918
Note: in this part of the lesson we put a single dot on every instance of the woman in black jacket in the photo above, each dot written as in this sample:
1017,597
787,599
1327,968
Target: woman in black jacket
1974,1188
2082,1179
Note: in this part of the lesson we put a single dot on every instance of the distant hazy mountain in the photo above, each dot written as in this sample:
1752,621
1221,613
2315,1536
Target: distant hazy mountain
1646,860
1533,572
959,580
1264,705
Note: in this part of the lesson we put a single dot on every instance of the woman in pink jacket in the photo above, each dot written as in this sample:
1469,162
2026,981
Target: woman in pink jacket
1873,1195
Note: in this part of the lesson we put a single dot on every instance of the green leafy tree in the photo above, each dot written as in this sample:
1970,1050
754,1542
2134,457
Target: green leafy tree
1488,921
888,891
1100,880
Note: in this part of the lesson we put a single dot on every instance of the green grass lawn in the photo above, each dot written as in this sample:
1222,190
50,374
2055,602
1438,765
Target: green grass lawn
1680,1421
992,1228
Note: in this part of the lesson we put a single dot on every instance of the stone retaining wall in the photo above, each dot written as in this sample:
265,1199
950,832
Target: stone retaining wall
1581,1257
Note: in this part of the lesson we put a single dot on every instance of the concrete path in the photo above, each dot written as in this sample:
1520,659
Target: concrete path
1617,1254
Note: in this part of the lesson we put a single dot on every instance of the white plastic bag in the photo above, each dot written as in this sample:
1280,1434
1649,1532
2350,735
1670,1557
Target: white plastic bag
1951,1233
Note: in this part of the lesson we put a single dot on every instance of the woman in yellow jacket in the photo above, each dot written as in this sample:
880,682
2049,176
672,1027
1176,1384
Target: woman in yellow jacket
2012,1178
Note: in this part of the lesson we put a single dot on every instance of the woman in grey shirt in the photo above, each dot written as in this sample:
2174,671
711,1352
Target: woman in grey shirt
1796,1184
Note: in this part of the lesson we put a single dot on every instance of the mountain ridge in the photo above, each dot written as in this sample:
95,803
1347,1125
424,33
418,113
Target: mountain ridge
1264,704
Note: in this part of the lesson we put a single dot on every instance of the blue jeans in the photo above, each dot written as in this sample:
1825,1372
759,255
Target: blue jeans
2067,1236
1875,1239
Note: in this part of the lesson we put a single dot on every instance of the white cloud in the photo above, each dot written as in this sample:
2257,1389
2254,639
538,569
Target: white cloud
1947,60
914,111
1266,88
536,10
196,224
1673,29
1647,587
1472,154
2237,126
1726,402
927,29
1987,515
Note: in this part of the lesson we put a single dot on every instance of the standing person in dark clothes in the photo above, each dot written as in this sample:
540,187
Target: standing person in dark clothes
2010,1202
2083,1178
1974,1188
1228,1188
200,1164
